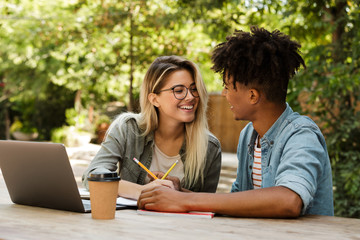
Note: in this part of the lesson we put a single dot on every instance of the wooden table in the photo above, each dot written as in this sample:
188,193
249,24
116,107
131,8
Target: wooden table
24,222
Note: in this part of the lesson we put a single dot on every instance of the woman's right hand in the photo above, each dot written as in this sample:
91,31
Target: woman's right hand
159,182
132,190
174,180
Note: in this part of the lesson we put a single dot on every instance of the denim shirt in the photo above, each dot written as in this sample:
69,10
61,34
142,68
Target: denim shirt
124,142
293,155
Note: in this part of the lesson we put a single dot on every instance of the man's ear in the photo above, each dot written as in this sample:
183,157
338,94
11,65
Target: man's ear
152,97
254,95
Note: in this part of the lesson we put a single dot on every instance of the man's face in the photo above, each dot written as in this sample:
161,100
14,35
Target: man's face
238,99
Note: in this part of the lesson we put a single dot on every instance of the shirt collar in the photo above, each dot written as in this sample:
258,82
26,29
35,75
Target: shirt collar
149,138
271,134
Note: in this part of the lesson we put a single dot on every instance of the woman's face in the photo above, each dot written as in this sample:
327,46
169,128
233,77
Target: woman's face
170,105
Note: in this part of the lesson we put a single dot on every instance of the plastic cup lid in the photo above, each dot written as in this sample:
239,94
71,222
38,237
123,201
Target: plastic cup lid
104,177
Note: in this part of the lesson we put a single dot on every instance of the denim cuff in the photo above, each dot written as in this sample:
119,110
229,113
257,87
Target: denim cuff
301,186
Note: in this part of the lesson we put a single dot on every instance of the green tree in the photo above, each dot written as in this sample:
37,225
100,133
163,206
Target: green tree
97,51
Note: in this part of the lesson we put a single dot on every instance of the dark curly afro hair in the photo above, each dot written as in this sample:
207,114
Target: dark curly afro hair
260,59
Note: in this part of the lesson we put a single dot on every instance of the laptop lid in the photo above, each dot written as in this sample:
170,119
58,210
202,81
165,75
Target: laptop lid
39,174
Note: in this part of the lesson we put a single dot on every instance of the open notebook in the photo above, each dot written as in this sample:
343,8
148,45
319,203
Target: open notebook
39,174
85,194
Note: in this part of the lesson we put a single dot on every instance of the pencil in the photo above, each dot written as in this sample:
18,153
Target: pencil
147,170
167,173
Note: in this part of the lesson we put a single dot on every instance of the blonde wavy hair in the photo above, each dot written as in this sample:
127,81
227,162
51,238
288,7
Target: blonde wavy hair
196,132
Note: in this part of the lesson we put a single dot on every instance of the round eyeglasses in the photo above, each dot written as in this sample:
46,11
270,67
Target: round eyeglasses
180,91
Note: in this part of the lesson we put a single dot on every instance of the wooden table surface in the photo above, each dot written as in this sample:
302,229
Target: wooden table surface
25,222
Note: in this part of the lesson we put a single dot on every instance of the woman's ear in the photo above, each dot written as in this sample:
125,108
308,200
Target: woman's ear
152,97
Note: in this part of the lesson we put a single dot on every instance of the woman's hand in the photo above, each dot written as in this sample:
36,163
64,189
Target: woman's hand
159,182
132,190
174,180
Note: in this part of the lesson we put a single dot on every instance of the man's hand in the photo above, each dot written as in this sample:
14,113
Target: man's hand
162,198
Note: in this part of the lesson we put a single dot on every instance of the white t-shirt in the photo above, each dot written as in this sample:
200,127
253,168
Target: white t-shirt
161,163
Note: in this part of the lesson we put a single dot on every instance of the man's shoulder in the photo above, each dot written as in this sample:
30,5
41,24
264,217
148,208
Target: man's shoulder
300,127
301,121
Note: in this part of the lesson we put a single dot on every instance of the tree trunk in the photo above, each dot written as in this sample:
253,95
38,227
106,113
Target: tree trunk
77,101
131,96
7,122
339,19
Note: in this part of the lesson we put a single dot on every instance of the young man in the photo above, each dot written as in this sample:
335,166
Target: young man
284,168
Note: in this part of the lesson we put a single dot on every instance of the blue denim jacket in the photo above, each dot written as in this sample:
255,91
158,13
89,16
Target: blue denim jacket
293,155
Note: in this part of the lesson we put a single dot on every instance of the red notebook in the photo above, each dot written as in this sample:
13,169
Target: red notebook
176,214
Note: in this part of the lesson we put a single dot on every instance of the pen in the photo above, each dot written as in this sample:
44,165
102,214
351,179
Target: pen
147,170
167,173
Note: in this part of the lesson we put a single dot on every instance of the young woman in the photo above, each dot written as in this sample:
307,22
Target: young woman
172,125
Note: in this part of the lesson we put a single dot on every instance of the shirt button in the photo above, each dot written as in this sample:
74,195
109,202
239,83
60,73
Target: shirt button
250,167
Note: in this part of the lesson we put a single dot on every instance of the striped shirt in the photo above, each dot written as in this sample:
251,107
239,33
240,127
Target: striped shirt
256,173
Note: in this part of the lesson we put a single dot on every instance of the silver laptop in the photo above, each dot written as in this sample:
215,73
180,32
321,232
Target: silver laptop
39,174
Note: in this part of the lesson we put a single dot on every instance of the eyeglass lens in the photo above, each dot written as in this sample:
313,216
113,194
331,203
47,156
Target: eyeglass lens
180,92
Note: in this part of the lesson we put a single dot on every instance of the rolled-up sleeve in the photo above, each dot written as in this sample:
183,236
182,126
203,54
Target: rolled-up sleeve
301,165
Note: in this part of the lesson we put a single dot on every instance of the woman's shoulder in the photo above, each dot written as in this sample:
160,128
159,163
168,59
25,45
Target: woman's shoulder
126,120
127,117
213,140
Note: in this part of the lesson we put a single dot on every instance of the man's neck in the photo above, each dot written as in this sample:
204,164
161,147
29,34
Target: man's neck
267,116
